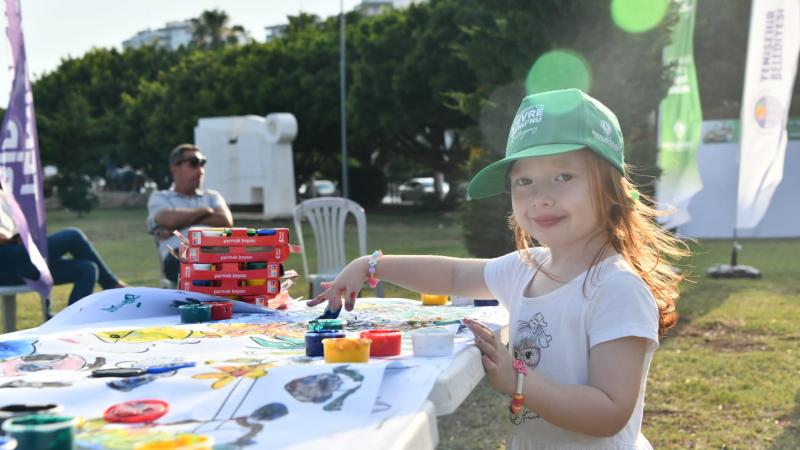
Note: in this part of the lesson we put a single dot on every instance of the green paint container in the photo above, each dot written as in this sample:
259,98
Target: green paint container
195,313
42,432
326,324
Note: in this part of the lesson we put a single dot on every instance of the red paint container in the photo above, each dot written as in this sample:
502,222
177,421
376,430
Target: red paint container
220,310
384,342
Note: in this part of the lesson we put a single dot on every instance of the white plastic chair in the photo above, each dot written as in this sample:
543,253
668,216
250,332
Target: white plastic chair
9,294
327,217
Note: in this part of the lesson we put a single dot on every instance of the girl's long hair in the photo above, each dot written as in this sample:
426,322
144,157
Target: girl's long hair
632,231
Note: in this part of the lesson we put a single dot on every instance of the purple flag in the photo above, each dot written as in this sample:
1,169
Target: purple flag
20,167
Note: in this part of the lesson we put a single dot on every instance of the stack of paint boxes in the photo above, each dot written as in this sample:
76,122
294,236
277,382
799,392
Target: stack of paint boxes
238,263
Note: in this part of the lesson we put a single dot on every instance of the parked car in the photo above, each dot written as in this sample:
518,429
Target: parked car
415,189
324,188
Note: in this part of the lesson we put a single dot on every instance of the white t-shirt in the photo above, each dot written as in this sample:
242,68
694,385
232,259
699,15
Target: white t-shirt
553,334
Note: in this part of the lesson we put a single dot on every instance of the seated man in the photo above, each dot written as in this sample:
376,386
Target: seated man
184,205
84,267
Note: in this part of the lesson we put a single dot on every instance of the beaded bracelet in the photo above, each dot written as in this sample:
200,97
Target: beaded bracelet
516,401
373,266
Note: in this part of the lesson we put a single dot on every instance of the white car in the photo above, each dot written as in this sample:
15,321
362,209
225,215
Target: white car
324,188
415,189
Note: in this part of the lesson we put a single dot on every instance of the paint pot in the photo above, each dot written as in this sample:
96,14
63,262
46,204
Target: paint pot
213,232
136,411
314,340
179,442
384,342
7,443
215,249
42,432
346,350
255,265
220,310
195,313
256,282
485,302
432,299
432,341
326,324
205,266
266,232
251,232
10,411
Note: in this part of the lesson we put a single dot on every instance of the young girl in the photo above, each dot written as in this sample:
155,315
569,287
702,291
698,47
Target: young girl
588,291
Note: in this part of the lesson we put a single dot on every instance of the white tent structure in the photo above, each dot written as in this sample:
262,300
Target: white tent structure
250,160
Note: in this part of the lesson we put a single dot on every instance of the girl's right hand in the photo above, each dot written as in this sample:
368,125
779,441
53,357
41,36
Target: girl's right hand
346,285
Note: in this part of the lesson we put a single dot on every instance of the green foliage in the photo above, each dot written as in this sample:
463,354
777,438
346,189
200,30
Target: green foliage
485,221
626,69
76,194
367,185
212,32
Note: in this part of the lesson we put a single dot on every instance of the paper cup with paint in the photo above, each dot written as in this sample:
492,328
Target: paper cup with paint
346,350
42,432
432,341
179,442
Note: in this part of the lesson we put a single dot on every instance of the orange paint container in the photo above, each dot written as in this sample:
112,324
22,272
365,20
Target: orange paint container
346,350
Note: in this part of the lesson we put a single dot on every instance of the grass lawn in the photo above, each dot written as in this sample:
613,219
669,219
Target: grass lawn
727,377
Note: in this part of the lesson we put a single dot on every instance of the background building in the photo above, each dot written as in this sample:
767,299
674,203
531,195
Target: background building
171,36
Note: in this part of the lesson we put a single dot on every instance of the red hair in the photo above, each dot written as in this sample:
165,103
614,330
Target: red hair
632,231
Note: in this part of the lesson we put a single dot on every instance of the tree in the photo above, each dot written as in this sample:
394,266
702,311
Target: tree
404,70
212,32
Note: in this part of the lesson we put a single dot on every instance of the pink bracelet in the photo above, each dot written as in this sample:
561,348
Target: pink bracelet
372,268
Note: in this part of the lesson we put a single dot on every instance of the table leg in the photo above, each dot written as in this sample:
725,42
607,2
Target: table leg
9,313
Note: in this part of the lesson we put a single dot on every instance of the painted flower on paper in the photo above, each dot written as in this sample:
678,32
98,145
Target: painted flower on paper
227,374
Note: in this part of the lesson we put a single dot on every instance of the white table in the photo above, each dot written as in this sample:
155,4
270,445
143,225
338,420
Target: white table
405,426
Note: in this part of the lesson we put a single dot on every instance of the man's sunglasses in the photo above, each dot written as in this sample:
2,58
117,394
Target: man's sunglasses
194,161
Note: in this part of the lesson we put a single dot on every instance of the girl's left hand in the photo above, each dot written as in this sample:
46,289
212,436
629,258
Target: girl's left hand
496,358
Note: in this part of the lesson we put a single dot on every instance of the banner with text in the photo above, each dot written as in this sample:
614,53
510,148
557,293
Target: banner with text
772,50
20,167
680,124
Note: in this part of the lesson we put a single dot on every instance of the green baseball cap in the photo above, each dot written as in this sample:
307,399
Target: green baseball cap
551,123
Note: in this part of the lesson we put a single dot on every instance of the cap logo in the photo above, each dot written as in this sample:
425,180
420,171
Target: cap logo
606,127
607,138
524,119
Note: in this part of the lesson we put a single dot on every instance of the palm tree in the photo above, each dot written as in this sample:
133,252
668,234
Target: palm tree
211,31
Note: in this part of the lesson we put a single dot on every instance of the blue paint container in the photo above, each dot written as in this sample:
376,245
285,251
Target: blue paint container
265,232
314,340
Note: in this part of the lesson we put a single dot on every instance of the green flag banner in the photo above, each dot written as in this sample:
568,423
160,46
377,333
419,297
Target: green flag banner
680,124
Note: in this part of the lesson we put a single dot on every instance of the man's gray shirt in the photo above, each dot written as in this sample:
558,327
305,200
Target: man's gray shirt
170,199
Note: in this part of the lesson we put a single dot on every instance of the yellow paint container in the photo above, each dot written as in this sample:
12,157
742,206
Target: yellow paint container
256,282
433,299
346,350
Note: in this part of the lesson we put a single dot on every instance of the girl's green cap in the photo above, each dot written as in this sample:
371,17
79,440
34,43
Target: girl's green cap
550,123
